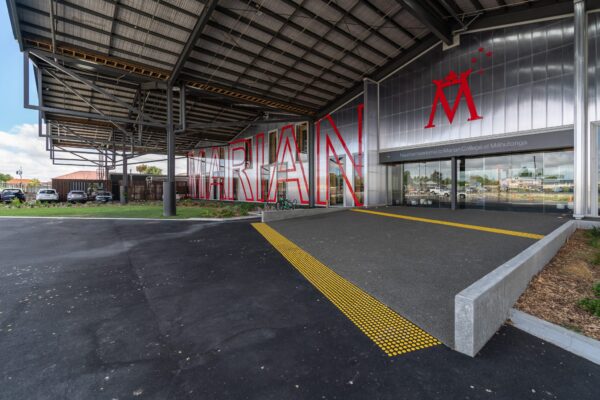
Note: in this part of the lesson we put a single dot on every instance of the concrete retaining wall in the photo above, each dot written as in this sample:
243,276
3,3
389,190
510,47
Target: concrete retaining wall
276,215
482,308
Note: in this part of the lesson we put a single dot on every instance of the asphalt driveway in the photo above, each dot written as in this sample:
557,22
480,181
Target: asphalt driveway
188,310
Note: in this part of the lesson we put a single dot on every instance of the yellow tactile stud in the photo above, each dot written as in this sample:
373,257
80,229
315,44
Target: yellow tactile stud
392,333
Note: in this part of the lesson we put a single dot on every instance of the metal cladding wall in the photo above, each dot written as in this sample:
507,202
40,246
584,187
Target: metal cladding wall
594,67
339,140
520,80
244,170
495,85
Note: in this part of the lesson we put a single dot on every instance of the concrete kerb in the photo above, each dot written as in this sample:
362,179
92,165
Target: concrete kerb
576,343
482,308
279,215
250,217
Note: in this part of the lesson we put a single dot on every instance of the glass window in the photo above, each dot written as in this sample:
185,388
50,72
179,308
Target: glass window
470,191
336,182
445,184
396,182
248,152
496,182
302,137
426,184
519,182
272,146
526,191
558,181
359,184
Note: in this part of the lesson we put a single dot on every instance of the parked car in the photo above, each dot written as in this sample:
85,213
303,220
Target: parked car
104,197
8,195
77,196
49,195
440,192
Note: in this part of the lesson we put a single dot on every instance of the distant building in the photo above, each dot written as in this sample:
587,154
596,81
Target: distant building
19,183
88,181
141,186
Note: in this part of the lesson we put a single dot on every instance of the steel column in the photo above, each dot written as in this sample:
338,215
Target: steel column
169,199
125,182
580,105
454,191
311,164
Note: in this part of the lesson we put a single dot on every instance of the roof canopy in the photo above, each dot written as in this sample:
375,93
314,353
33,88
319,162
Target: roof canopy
102,66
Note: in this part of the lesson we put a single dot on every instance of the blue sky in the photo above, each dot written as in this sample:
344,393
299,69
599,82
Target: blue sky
11,79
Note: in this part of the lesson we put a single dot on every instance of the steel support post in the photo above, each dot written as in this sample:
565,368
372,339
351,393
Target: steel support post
454,190
124,195
169,197
311,163
580,118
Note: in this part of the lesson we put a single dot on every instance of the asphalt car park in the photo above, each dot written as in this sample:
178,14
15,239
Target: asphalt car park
196,310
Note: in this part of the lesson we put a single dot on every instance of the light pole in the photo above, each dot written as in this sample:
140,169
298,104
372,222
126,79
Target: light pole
20,173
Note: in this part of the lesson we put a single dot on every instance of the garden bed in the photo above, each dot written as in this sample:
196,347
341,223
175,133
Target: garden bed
185,209
558,293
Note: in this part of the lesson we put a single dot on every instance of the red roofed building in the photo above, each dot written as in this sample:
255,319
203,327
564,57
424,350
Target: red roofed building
88,181
18,183
81,176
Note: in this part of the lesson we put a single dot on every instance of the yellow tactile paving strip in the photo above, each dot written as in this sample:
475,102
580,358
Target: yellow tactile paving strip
454,224
392,333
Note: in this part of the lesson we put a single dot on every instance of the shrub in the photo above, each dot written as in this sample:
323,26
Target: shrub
590,305
594,235
597,289
15,202
225,213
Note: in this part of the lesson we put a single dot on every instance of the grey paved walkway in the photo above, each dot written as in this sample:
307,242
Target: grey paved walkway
415,268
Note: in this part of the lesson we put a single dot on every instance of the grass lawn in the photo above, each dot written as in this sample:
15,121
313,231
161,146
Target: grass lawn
128,211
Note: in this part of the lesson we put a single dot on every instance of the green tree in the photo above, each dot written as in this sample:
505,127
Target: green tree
153,171
148,169
35,183
5,177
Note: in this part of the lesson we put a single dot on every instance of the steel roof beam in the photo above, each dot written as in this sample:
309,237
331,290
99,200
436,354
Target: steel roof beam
427,17
90,84
89,103
207,11
246,122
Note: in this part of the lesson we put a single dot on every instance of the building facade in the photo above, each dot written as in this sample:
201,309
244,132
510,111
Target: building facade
491,122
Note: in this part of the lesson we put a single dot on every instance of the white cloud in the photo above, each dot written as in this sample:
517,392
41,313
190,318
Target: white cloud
22,147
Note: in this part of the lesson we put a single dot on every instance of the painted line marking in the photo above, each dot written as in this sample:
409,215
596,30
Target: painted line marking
454,224
393,334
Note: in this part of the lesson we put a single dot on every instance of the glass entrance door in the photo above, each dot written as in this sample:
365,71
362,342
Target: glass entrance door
336,183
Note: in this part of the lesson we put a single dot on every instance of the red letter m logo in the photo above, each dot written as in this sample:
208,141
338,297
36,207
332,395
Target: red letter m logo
463,90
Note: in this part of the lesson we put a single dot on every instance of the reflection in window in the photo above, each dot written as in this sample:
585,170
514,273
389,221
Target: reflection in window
428,184
359,182
518,182
302,137
248,152
395,184
558,181
272,146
